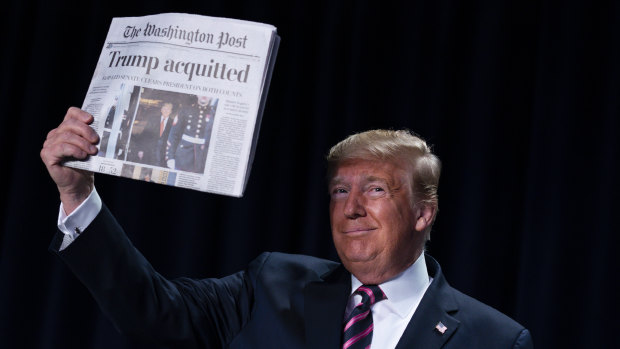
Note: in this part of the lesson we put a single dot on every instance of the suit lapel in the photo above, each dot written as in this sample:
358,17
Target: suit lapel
324,305
437,305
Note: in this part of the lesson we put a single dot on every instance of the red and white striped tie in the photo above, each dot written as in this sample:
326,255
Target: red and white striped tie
358,325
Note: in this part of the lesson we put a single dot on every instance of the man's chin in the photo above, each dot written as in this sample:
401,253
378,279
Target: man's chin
357,260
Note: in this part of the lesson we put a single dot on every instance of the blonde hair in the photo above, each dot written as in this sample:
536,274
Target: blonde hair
397,146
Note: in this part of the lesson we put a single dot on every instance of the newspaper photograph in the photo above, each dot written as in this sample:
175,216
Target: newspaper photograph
177,99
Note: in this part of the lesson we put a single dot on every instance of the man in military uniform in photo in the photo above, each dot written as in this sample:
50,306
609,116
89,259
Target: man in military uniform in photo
189,137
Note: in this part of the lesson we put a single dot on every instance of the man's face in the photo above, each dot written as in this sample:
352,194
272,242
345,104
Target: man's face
166,109
377,231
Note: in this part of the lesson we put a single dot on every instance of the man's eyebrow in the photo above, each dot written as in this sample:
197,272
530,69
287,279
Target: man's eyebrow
336,180
367,179
375,179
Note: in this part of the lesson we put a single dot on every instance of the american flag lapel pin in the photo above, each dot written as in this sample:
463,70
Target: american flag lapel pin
440,327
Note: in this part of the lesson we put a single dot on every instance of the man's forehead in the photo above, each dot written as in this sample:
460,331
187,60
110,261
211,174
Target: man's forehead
362,169
367,172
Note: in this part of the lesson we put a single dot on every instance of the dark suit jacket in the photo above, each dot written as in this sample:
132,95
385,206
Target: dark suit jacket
279,301
154,146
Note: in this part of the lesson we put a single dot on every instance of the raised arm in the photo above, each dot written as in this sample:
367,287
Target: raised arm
182,313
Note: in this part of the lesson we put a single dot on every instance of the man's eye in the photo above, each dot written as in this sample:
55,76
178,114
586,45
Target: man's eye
339,191
377,189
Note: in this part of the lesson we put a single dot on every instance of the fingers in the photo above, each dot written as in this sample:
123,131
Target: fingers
79,115
72,139
77,121
67,144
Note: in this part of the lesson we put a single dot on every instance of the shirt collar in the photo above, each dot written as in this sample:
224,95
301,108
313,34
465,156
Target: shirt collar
405,290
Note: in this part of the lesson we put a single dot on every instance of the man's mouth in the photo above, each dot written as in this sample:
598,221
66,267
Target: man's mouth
358,231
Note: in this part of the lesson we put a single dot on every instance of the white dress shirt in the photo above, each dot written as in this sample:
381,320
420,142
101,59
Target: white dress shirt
75,223
392,315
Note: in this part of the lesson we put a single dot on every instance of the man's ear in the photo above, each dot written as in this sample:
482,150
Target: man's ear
424,217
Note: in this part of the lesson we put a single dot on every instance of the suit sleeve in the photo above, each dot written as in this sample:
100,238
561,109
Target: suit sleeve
524,340
181,313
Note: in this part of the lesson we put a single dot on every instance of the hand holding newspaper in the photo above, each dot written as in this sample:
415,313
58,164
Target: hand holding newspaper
178,99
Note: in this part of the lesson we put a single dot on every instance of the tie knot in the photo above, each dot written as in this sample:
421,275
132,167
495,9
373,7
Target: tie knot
370,294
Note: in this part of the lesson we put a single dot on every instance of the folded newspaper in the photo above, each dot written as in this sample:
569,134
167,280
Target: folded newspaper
178,100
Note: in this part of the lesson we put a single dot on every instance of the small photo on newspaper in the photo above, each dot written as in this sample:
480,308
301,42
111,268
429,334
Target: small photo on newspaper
178,100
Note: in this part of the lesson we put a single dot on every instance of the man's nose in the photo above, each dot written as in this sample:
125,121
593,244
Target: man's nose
354,206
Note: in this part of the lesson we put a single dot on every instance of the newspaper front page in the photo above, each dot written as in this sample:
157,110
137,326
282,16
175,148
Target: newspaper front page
177,99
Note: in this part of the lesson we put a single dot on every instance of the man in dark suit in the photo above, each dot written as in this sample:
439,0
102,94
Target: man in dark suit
152,142
386,293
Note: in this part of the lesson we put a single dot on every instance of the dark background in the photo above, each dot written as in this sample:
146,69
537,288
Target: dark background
519,98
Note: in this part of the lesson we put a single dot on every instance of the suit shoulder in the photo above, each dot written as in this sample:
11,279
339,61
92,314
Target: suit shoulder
483,318
291,265
300,261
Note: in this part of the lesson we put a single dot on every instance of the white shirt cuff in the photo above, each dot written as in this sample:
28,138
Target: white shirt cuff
75,223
